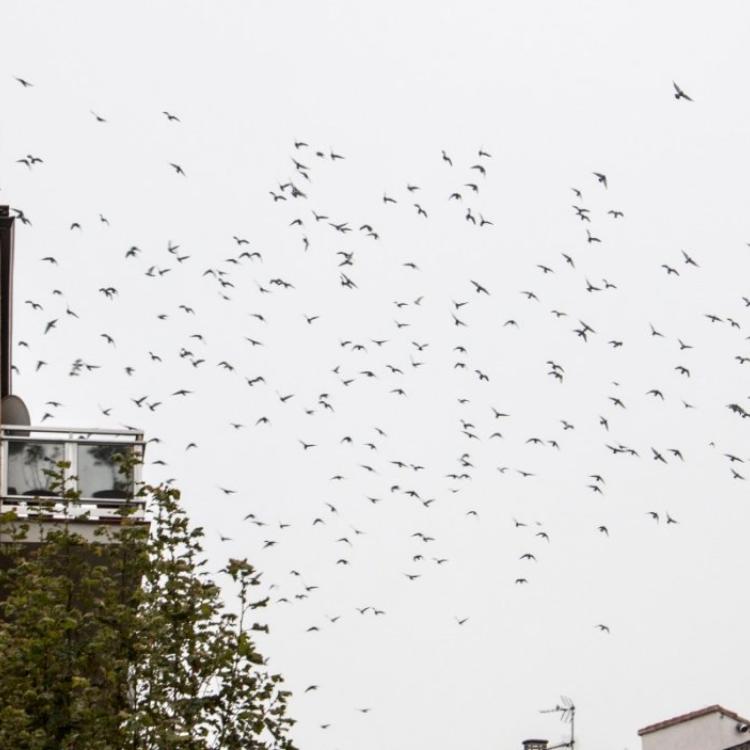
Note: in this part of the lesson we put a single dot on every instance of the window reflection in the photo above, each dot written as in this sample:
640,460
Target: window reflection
27,463
99,472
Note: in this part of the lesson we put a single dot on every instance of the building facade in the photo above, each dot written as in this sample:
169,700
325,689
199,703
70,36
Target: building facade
30,455
710,728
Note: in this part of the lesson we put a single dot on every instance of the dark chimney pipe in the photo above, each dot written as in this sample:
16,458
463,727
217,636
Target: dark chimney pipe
6,298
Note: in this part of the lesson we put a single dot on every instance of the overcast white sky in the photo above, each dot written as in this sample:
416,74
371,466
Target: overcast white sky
553,91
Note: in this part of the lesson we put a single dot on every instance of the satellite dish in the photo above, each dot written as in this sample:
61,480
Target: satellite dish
14,411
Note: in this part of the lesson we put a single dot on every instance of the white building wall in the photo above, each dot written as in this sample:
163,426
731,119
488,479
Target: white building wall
713,731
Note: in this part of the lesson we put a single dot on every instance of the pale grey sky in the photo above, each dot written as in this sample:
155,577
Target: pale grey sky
554,92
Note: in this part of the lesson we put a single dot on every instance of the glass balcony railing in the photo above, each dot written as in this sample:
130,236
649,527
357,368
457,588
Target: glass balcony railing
28,454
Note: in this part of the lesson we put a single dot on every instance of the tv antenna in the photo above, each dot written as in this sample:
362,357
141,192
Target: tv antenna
567,711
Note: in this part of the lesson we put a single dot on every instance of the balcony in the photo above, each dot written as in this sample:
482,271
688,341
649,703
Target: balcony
27,454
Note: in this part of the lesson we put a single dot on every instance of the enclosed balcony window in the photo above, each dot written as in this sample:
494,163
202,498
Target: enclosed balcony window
28,463
99,474
92,460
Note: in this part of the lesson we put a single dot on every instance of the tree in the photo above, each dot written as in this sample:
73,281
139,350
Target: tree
125,643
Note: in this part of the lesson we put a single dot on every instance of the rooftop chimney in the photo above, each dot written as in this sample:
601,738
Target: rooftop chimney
534,745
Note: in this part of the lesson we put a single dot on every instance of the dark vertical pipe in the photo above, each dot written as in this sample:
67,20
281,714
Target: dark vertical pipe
6,298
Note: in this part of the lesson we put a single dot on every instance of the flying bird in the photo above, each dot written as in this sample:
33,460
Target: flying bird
602,178
679,93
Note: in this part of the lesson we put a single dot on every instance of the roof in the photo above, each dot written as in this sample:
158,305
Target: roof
692,715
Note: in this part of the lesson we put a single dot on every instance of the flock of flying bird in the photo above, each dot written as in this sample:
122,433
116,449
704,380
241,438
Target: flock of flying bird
391,363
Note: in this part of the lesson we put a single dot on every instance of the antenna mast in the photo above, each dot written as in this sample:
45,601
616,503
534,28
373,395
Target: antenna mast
567,711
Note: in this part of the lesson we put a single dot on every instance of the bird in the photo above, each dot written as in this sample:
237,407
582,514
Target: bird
479,288
601,178
177,168
658,456
688,260
679,93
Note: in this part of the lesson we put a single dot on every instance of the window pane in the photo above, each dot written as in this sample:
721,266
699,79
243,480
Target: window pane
27,462
99,473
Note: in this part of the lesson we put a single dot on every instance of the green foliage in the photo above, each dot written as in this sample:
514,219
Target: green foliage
125,643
